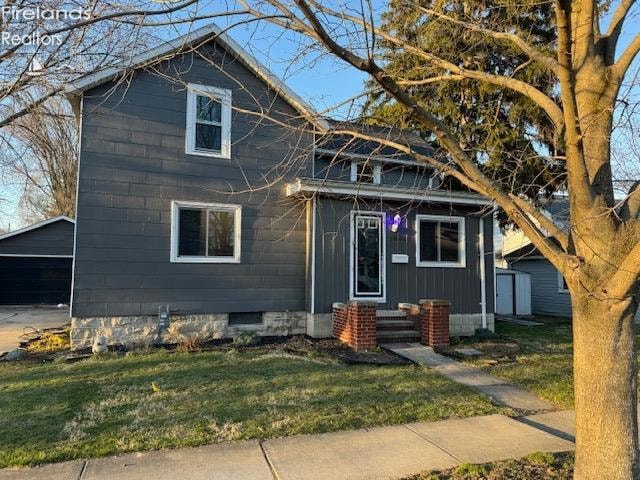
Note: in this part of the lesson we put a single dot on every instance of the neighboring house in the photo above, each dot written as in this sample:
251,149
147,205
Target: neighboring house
198,217
36,263
549,295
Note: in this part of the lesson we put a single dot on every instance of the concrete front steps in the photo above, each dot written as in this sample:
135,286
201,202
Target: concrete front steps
392,326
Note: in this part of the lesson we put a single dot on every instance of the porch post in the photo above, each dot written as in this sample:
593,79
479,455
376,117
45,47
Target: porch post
361,317
355,324
341,329
434,316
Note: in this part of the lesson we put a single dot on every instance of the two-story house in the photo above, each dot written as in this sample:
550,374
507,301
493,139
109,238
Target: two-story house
213,200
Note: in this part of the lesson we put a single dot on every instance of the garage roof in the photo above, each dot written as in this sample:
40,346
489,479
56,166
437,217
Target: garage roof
52,237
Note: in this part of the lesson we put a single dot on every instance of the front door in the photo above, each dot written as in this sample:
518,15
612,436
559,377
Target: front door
367,256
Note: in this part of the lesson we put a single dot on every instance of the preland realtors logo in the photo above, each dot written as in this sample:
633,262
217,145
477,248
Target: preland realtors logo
37,17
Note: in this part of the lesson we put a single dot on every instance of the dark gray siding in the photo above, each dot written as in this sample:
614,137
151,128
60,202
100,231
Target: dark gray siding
133,164
392,174
545,298
405,282
55,238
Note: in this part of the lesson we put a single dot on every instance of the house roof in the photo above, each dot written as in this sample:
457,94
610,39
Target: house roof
558,207
527,252
184,43
37,225
507,271
346,145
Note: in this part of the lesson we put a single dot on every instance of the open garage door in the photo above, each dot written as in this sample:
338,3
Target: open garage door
35,280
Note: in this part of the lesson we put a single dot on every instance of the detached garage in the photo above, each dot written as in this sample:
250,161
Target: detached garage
36,263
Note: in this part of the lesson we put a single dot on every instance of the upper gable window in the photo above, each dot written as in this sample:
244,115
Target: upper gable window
365,172
208,121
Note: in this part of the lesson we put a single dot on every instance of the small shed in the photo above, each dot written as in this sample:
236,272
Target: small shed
513,292
36,263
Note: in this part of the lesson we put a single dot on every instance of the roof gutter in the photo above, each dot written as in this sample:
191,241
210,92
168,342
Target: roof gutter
302,187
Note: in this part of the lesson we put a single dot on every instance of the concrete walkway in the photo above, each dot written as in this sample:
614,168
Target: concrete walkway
496,389
377,453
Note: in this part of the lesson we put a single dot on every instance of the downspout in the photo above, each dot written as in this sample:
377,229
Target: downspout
483,281
313,254
483,275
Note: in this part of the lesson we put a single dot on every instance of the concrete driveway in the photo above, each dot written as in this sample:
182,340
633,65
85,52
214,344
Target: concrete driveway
14,319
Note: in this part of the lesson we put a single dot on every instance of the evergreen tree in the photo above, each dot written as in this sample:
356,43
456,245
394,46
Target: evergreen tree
509,135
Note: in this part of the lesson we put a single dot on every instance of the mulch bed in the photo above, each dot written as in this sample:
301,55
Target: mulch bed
297,345
302,345
535,467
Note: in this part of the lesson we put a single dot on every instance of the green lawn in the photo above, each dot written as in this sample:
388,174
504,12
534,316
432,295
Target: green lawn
58,411
544,364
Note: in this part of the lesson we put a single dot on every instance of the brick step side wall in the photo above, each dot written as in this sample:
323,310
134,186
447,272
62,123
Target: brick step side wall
355,323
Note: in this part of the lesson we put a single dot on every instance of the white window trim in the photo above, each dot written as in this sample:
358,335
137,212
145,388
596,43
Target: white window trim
376,167
462,262
383,253
224,96
561,288
175,225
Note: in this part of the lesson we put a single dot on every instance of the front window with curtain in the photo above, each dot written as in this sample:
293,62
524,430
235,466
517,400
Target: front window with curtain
208,131
205,233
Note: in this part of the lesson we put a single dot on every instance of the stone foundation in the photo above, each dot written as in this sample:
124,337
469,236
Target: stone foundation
319,325
144,330
466,324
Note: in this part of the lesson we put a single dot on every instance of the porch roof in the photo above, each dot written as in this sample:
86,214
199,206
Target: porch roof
305,187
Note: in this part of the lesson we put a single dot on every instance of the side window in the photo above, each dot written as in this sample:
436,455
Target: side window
205,233
365,172
208,131
440,241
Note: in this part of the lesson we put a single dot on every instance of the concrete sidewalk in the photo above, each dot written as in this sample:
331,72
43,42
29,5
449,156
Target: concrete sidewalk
377,453
497,389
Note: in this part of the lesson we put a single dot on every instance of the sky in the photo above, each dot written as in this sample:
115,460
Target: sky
322,81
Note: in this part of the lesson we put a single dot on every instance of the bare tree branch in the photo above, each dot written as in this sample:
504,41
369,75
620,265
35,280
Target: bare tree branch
615,28
630,208
626,59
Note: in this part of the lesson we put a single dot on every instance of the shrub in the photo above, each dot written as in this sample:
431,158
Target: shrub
471,471
541,458
484,333
246,339
50,342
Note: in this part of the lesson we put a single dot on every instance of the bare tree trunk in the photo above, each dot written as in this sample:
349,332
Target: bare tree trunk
605,372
